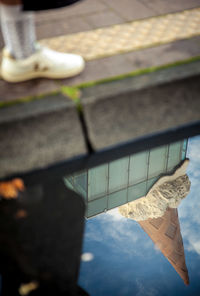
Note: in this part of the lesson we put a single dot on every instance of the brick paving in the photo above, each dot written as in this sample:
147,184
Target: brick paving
91,14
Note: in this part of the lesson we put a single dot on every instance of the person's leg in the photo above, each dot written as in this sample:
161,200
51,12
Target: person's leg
18,30
23,58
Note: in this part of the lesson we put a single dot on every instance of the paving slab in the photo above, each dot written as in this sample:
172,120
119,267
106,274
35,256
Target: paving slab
131,9
122,64
46,30
103,19
125,110
38,134
163,7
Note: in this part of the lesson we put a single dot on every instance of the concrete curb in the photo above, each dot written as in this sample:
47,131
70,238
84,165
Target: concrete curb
37,134
123,110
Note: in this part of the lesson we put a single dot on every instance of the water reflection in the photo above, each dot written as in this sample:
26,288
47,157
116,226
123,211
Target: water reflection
158,216
168,191
145,188
118,182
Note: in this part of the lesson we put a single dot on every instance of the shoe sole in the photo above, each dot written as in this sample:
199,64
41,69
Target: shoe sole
28,76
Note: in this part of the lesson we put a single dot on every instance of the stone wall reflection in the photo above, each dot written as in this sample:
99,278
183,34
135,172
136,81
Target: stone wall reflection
157,214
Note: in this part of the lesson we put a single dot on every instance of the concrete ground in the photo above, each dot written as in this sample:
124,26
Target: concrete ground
148,51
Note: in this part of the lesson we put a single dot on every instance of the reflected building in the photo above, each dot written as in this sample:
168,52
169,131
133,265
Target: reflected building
146,187
116,183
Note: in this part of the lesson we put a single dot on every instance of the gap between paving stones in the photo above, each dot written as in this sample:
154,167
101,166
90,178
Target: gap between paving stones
75,93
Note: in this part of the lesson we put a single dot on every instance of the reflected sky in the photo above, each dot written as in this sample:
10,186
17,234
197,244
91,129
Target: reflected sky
125,261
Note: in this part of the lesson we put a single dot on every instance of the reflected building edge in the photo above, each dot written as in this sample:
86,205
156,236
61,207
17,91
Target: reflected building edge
146,187
166,234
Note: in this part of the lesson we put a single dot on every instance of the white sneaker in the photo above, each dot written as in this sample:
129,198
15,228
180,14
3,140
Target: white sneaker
43,63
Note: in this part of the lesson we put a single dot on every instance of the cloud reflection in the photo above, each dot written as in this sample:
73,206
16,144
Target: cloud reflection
189,210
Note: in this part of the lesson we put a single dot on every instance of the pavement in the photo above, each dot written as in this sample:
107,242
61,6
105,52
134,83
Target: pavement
115,37
142,77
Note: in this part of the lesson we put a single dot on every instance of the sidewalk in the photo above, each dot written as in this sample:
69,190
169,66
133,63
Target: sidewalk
142,78
90,15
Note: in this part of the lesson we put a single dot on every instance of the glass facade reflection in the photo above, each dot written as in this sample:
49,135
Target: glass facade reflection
127,179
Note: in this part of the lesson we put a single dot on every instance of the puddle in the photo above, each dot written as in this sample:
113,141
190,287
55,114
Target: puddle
155,252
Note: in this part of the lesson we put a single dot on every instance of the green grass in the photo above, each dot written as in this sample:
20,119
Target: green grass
73,93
